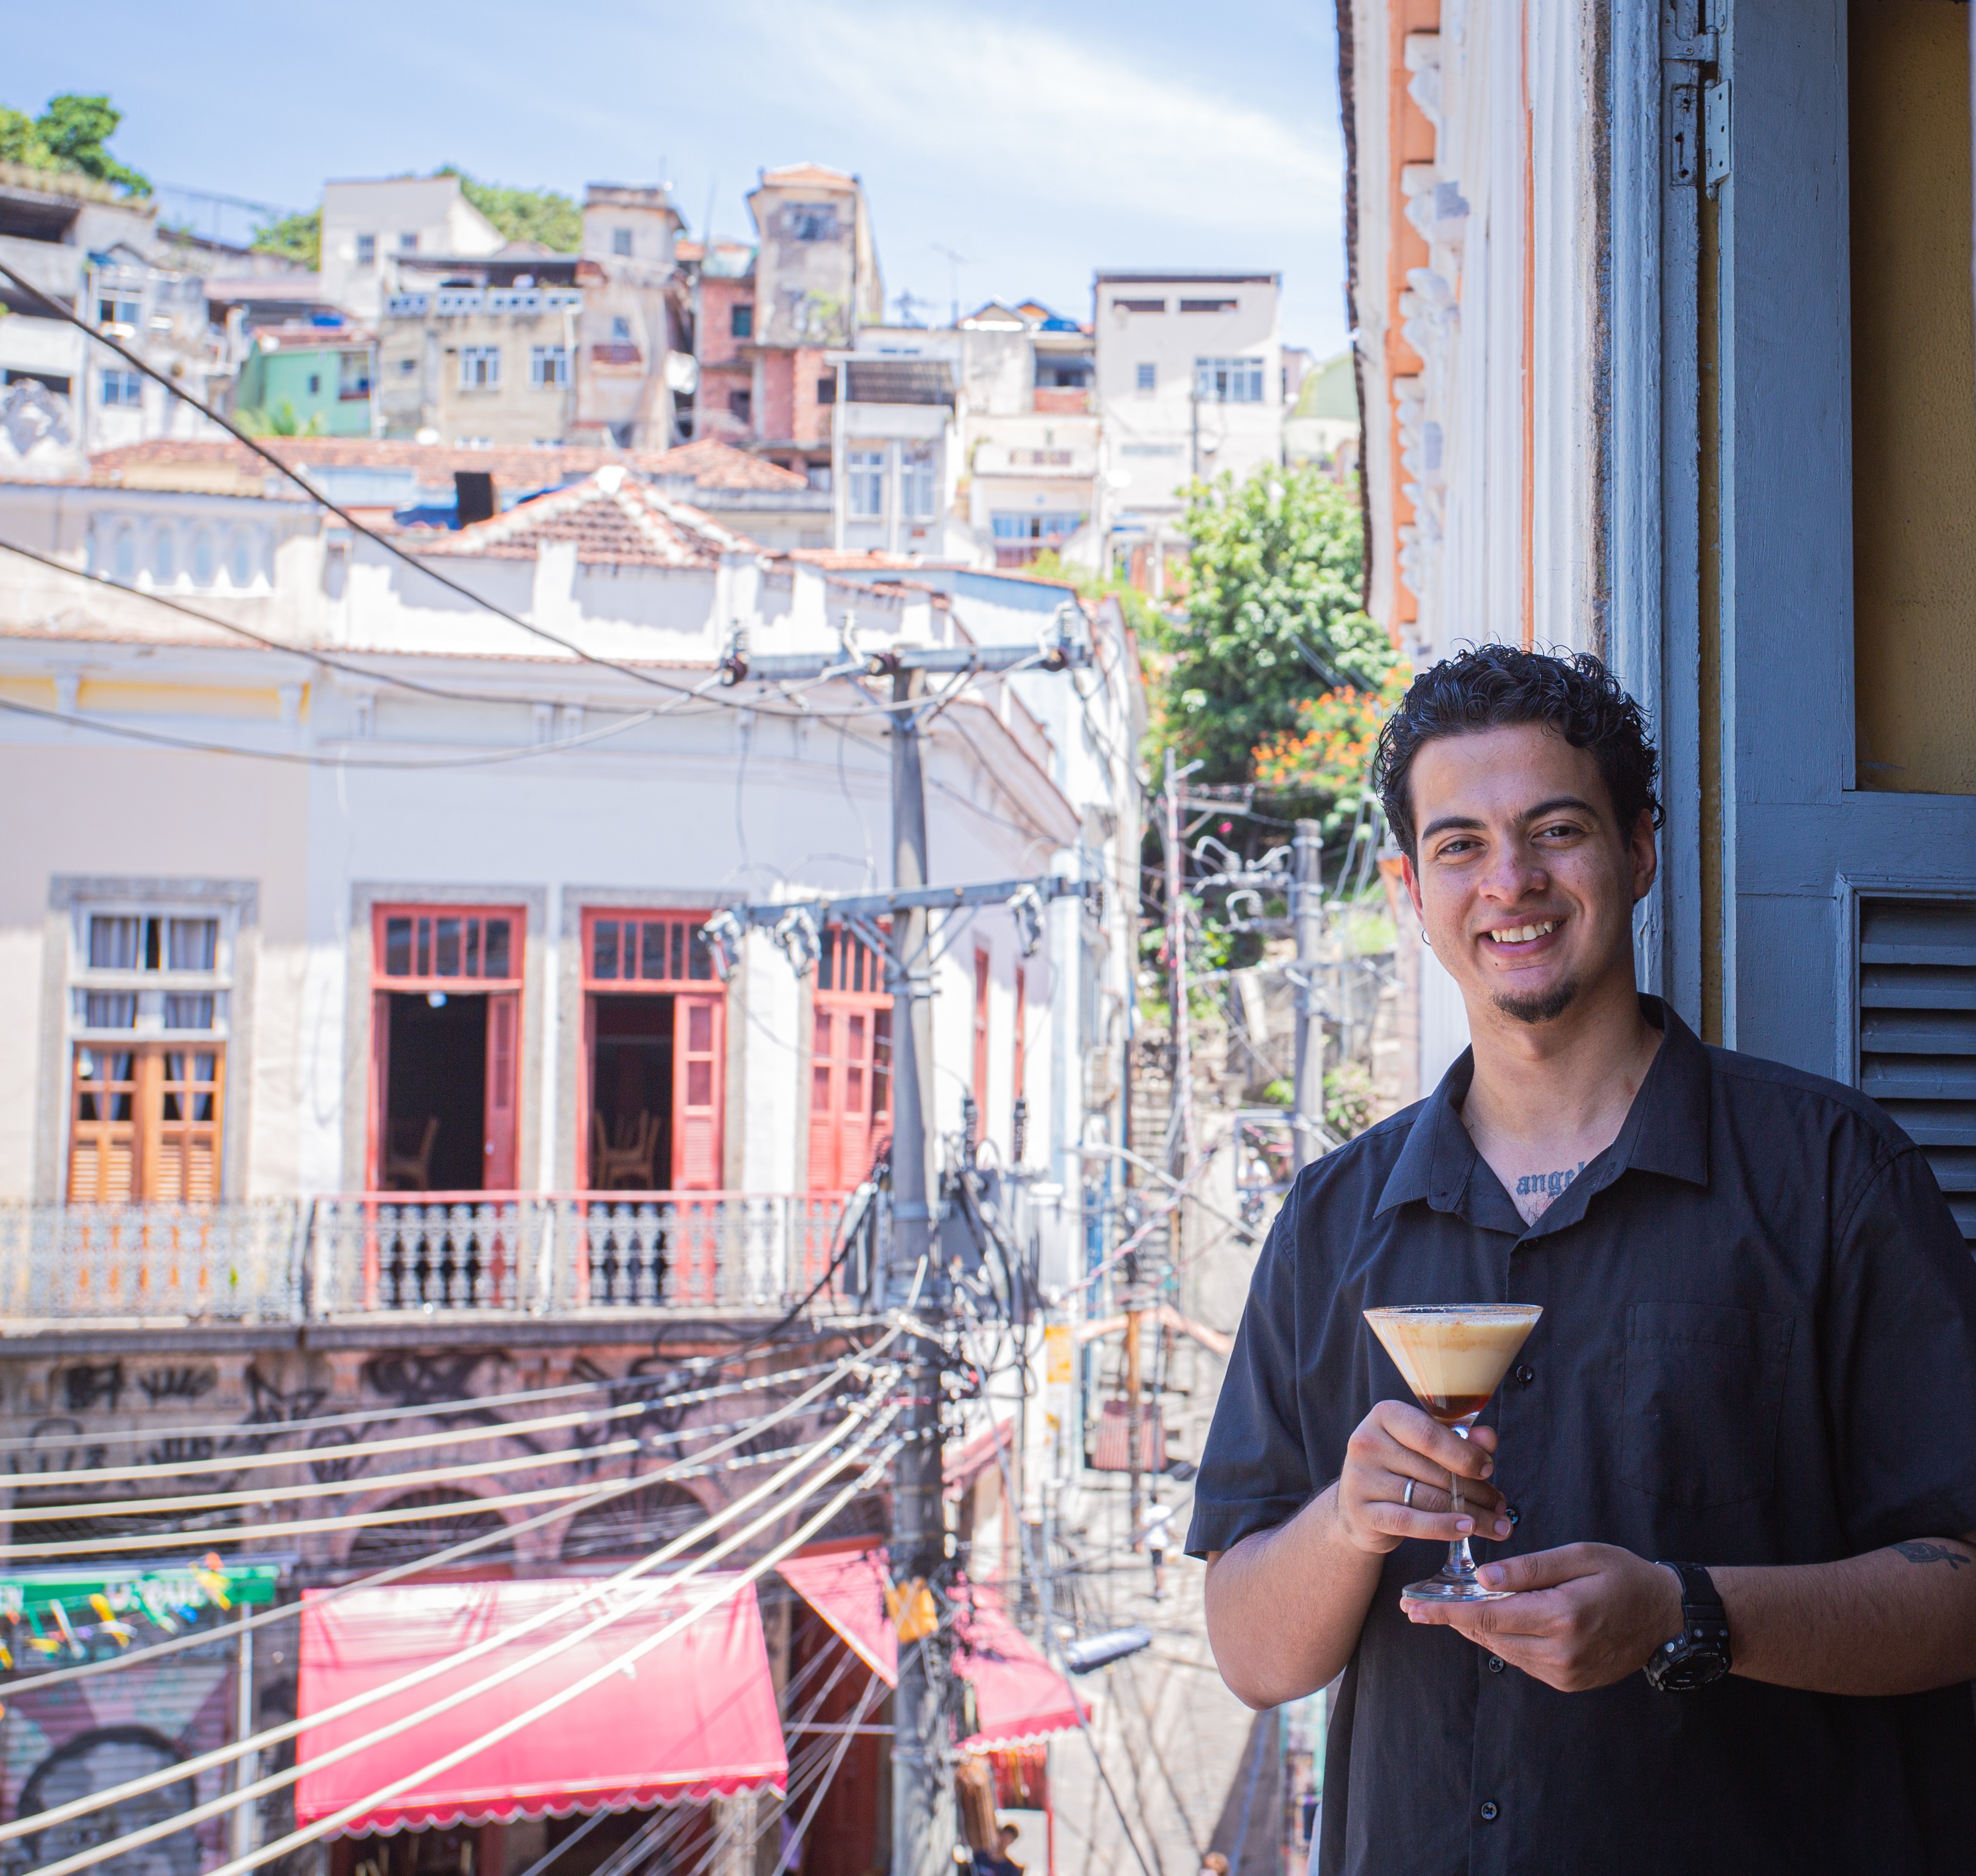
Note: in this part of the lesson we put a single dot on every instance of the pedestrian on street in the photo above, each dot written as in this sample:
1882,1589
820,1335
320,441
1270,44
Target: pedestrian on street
1155,1533
1727,1490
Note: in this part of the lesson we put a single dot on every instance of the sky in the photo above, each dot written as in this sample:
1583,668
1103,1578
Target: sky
1036,142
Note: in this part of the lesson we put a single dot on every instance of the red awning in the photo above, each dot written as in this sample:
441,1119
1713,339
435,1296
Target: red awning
694,1717
1018,1697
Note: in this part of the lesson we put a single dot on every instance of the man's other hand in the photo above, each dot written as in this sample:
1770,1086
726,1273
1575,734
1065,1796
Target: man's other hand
1397,1442
1579,1617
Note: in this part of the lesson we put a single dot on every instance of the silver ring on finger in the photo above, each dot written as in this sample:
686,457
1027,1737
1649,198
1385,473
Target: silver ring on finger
1407,1496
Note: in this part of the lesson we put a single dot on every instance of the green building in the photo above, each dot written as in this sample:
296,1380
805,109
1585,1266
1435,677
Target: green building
309,380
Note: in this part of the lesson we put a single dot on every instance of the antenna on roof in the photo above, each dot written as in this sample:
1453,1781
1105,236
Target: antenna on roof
955,262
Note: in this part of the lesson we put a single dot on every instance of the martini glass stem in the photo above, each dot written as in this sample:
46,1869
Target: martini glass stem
1460,1562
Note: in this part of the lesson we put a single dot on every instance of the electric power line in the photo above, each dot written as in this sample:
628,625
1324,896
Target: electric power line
274,1736
184,1820
289,1612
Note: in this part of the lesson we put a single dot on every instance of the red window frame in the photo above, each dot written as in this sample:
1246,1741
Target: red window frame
978,1080
850,1067
450,948
667,956
1022,1048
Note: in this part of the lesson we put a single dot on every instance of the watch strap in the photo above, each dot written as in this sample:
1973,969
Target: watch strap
1704,1619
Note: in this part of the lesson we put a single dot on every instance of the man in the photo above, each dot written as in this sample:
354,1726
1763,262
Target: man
1756,1361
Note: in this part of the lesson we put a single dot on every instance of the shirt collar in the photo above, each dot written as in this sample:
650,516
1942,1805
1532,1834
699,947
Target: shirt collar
1666,1132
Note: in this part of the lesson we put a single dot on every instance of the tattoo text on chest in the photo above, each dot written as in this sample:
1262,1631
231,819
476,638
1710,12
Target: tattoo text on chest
1547,1185
1916,1551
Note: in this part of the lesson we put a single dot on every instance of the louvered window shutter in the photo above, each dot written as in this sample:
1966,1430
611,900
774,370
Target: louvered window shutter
1918,1032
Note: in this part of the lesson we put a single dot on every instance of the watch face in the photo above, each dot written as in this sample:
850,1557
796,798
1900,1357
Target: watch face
1687,1671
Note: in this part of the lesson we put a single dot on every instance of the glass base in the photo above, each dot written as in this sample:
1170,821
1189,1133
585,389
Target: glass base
1446,1588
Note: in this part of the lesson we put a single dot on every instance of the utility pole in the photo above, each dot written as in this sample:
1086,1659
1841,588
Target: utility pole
1307,912
919,1513
922,1837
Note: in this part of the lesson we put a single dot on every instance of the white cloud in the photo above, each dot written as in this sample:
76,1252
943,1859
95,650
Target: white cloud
1061,120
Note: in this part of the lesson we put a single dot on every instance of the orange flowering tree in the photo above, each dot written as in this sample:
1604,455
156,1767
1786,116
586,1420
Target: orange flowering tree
1329,756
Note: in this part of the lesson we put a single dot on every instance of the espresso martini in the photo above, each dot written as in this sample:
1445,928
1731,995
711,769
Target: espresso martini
1453,1357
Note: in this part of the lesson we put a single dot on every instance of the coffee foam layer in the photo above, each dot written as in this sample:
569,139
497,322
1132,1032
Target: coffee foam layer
1446,1352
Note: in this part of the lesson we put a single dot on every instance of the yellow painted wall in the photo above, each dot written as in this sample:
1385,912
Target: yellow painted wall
1914,398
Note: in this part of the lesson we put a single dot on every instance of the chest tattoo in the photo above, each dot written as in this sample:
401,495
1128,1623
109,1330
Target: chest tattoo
1536,1190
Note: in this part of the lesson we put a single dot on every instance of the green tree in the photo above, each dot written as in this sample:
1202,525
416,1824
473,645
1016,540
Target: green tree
538,214
19,141
1141,613
74,129
298,236
1272,616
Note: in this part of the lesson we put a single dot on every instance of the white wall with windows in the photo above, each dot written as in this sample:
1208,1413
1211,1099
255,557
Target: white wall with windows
1189,384
896,476
181,929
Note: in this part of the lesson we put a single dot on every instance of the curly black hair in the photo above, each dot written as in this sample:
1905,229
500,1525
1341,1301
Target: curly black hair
1491,687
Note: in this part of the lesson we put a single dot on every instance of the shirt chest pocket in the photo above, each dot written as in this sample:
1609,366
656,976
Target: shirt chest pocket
1704,1389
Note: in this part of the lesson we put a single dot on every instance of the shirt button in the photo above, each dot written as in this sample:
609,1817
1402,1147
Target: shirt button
1489,1812
1514,1516
1525,1373
1495,1664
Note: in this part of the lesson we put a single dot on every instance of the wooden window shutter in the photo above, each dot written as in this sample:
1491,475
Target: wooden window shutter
103,1126
1917,1017
978,1082
823,1096
504,1026
698,1063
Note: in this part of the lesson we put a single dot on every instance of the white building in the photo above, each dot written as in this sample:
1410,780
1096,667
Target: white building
100,255
1189,385
368,226
1023,450
391,893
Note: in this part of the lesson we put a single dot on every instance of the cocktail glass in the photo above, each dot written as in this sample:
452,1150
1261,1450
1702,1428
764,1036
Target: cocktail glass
1453,1357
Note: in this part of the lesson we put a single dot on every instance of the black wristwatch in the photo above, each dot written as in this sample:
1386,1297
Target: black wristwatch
1700,1654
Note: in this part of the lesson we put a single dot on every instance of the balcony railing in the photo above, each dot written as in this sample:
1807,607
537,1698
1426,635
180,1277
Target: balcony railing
425,1254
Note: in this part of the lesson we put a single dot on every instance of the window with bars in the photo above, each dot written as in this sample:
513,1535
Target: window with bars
1917,1029
149,991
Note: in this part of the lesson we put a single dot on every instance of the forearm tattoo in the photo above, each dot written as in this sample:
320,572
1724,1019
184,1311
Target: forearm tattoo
1917,1550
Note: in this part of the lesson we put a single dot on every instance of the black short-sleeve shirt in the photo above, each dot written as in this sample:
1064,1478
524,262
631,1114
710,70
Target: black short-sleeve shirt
1758,1346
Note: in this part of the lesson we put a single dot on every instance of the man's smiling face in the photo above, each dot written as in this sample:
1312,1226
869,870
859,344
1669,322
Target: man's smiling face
1524,882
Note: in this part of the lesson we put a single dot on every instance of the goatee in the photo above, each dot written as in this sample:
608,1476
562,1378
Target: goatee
1546,1008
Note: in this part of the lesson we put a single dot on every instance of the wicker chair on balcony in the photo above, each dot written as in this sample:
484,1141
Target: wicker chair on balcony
408,1169
624,1165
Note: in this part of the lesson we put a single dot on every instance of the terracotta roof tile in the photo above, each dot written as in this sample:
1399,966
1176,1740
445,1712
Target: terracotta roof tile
710,464
612,517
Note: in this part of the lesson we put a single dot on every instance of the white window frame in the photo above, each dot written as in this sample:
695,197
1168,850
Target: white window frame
549,365
366,250
1229,381
150,987
480,368
621,242
864,479
1145,379
235,903
919,479
122,390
